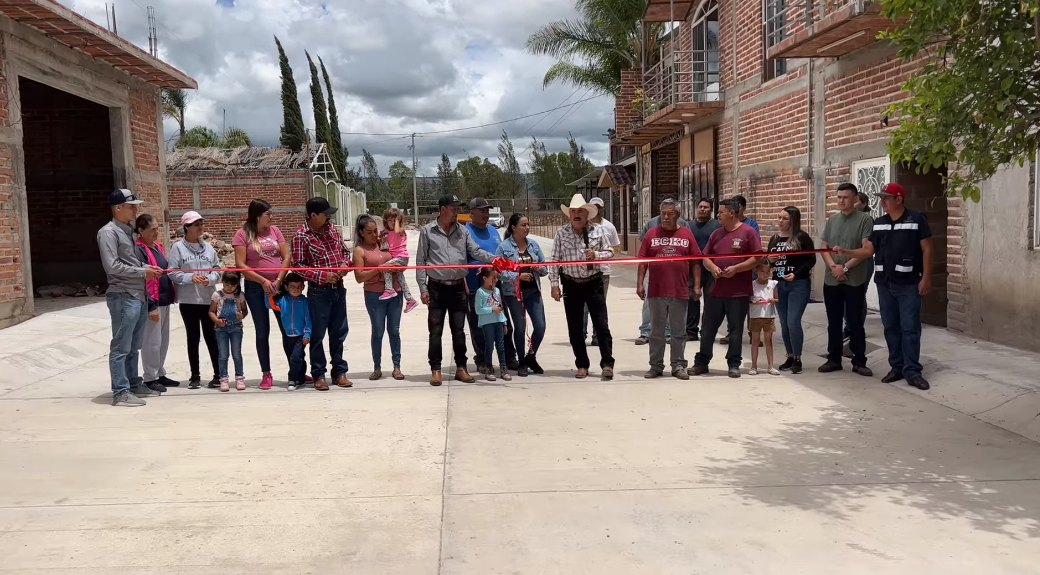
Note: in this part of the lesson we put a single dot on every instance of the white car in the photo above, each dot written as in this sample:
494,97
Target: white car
495,217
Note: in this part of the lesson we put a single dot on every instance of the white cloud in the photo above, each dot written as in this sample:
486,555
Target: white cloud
396,65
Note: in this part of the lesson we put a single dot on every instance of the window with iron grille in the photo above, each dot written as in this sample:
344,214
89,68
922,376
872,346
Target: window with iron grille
774,21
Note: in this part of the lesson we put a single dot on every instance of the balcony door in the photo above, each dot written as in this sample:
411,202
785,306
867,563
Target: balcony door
704,56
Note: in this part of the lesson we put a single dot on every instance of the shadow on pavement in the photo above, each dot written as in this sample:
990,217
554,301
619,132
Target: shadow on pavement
913,466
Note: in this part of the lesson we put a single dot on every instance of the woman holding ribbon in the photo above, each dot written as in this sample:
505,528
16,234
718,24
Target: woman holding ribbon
156,340
195,292
522,290
262,255
384,313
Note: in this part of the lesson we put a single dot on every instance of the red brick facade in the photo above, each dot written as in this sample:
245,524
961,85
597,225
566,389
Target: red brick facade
792,139
223,198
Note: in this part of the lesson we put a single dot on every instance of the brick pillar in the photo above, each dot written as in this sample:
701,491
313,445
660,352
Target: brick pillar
624,114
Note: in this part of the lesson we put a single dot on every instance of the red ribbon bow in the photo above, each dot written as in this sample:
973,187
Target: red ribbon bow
505,265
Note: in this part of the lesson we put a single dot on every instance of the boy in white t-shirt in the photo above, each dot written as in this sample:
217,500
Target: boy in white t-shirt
763,314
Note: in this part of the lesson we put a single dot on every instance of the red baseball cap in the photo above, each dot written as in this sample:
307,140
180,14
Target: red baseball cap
894,190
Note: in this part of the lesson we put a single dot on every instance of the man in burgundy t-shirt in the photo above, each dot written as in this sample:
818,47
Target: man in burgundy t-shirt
669,287
730,296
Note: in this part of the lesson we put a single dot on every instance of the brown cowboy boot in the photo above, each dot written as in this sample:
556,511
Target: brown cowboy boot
435,379
462,375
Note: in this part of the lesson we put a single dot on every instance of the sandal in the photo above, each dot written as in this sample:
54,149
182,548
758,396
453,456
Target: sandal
377,374
397,374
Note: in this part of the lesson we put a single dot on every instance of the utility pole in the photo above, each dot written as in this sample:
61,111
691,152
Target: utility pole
415,194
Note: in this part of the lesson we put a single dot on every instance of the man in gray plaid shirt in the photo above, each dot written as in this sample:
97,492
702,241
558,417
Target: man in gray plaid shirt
579,240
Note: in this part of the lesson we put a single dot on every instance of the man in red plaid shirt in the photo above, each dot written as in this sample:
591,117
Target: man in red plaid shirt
317,244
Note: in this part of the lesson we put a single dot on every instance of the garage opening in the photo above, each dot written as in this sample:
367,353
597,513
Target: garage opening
68,176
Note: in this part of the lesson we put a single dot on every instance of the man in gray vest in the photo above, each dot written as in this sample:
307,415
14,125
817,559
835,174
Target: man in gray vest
127,298
445,242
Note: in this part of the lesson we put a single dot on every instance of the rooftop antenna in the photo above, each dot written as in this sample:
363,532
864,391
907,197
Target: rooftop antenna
115,27
108,18
153,36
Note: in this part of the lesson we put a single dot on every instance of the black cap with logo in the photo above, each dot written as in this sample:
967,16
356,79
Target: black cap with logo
449,201
123,196
479,204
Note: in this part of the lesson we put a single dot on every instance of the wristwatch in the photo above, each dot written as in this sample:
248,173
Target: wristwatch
845,269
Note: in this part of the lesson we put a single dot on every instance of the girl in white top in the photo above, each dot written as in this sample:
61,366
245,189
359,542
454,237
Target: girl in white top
763,314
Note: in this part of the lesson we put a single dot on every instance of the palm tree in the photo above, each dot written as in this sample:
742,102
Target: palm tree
174,101
198,137
591,51
235,138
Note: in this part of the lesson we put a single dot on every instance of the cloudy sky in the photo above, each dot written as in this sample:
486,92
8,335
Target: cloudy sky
397,66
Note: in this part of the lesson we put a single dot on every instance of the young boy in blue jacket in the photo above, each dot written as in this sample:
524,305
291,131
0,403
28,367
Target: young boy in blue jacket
296,322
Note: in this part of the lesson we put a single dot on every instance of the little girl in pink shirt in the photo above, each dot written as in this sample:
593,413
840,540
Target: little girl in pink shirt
395,239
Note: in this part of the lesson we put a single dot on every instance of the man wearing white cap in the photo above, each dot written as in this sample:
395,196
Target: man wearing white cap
581,285
127,298
615,242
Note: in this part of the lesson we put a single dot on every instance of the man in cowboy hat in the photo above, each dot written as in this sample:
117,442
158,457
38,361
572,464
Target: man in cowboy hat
580,240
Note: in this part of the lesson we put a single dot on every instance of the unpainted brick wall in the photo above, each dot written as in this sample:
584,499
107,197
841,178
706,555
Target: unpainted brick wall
856,102
775,130
68,176
220,190
11,281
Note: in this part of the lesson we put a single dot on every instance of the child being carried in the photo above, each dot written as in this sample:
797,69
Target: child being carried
395,240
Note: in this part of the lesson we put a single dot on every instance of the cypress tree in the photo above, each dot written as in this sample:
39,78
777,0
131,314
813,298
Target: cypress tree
321,115
293,132
339,158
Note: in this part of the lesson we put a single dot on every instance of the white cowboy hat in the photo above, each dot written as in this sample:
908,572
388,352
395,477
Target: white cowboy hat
577,203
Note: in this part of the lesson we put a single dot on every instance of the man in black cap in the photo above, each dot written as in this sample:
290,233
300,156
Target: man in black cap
445,242
488,239
317,244
127,298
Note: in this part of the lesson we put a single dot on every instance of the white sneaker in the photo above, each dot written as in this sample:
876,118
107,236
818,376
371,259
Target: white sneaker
292,386
752,371
774,371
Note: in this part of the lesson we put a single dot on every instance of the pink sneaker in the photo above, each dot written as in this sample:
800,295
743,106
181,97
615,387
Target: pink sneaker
388,294
267,381
240,383
410,305
224,384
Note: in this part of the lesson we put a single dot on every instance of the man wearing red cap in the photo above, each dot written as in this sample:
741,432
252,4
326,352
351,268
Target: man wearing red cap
901,243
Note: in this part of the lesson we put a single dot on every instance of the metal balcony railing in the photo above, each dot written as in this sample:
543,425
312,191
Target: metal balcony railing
686,76
783,18
621,153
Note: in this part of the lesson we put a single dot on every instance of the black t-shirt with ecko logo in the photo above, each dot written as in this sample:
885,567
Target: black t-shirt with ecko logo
898,257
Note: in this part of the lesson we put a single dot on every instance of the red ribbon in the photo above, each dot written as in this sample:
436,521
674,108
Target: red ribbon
503,264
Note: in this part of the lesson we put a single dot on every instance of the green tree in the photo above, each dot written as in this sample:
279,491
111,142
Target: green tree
447,177
480,177
375,186
352,177
577,165
235,138
592,50
545,167
336,149
513,184
976,102
400,182
174,102
321,113
199,137
293,132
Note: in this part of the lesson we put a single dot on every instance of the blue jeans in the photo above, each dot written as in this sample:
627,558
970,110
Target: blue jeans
901,314
386,317
129,317
256,300
794,296
494,338
535,309
296,353
328,307
229,343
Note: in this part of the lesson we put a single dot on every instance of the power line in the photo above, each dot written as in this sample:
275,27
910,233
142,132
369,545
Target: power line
453,130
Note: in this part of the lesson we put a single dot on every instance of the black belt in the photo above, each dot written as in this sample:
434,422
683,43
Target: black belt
587,280
457,282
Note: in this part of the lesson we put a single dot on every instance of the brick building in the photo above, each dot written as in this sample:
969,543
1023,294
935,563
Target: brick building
80,115
219,184
782,100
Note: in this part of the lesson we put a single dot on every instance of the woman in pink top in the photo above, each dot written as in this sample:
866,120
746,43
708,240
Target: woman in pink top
260,249
370,251
395,239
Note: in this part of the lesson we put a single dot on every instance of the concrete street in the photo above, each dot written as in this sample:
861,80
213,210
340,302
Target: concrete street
803,474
